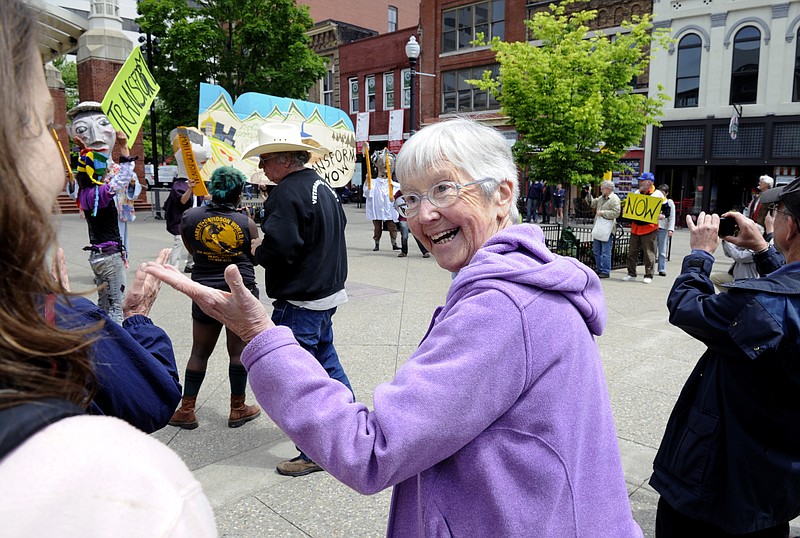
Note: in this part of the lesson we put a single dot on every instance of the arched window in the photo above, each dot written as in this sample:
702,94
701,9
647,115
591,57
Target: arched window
796,90
687,82
744,72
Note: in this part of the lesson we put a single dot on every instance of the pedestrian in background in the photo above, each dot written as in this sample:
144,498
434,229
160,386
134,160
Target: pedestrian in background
666,227
402,225
303,252
217,235
532,204
754,210
644,236
607,207
558,202
546,200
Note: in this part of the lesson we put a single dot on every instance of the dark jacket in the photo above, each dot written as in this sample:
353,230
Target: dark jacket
731,450
173,208
303,251
134,363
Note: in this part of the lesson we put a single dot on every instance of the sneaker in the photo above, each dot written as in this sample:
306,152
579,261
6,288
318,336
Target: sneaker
662,273
426,255
402,255
188,269
628,278
647,279
603,275
297,467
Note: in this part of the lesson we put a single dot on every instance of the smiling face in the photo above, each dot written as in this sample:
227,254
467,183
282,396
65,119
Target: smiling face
455,233
94,131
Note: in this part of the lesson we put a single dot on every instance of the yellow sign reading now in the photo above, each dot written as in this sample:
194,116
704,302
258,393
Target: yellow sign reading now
642,207
130,96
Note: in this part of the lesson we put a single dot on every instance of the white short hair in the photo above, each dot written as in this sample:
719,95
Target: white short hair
463,145
768,180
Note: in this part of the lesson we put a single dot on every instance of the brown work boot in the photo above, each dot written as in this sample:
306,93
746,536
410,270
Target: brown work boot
297,467
241,412
184,417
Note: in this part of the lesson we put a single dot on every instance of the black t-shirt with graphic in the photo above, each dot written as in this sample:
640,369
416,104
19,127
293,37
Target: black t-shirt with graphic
219,236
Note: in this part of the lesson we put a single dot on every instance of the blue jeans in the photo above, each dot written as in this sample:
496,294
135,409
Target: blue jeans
313,330
531,208
663,236
602,254
109,277
403,227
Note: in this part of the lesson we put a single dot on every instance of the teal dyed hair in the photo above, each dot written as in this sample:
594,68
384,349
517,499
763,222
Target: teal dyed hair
226,184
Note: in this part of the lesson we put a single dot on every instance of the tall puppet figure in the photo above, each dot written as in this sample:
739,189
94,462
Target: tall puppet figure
99,180
379,192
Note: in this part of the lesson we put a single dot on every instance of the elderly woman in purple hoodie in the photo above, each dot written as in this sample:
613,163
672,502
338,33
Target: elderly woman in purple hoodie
499,424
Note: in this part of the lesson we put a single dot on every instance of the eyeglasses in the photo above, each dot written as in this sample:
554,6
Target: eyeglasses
773,208
263,160
443,194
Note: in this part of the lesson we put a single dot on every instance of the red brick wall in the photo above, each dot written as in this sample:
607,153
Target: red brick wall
375,56
94,78
372,14
59,97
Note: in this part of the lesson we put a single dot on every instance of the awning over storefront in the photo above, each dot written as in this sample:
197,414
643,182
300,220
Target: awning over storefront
59,30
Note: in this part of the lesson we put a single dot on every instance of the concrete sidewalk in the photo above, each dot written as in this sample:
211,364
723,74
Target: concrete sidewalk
391,300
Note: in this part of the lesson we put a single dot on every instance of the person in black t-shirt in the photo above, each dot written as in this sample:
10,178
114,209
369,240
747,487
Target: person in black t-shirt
217,235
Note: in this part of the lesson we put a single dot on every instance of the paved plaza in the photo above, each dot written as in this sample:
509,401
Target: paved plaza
646,362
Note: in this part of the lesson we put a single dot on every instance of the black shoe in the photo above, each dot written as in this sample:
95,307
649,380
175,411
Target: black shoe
662,273
603,275
188,269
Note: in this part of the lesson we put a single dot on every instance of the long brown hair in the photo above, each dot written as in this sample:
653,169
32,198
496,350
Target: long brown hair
37,359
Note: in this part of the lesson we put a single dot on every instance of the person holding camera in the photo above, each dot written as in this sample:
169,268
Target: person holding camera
727,464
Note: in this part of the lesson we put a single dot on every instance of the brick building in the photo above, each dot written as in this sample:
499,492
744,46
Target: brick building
382,16
375,78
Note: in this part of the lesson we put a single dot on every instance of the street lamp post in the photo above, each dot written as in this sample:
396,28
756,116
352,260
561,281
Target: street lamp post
412,51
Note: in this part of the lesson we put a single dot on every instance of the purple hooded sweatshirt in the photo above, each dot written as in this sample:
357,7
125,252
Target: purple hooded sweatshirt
498,425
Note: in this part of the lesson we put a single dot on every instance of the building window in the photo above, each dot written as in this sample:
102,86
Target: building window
461,25
687,83
371,93
744,73
405,74
796,91
353,95
388,91
392,19
327,87
460,96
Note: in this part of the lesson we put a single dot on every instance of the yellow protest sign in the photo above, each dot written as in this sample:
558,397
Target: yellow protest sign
130,95
642,207
192,171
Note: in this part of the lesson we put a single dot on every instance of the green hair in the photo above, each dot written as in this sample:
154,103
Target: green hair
226,184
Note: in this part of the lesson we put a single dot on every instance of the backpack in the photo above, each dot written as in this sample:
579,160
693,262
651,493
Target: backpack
23,421
666,210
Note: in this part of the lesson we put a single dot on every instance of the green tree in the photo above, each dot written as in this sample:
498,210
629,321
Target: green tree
69,74
242,45
569,95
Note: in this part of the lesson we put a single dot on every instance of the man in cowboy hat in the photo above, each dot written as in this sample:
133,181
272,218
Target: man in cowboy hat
303,251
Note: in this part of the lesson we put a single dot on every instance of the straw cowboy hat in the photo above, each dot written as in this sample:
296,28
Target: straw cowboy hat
278,137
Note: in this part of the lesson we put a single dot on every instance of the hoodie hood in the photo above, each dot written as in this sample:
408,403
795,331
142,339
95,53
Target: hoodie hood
518,254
